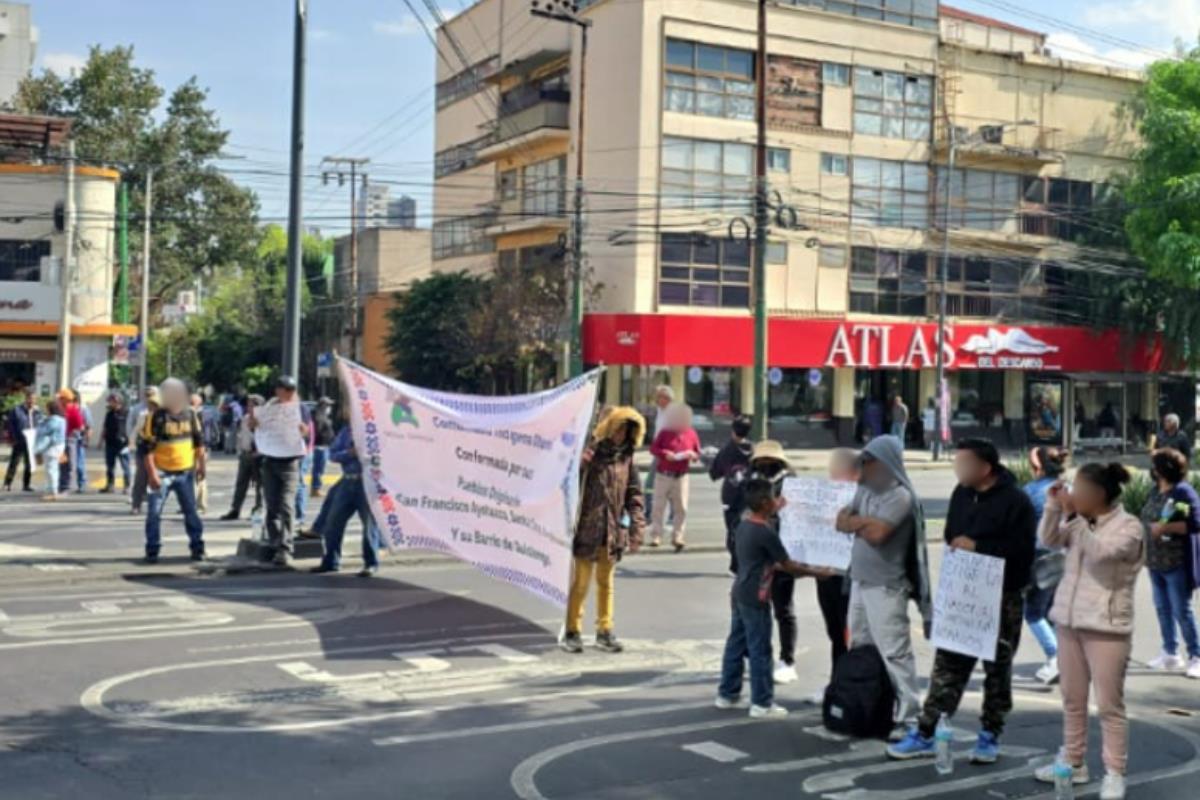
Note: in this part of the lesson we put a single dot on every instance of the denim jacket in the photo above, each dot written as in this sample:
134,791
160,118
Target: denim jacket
51,435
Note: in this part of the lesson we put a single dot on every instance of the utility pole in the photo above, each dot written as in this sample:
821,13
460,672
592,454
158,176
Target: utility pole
295,265
123,254
336,163
939,406
144,318
67,273
564,11
760,229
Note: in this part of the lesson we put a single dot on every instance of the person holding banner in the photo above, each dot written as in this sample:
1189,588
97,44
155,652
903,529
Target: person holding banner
1094,614
989,514
888,566
611,523
346,498
22,423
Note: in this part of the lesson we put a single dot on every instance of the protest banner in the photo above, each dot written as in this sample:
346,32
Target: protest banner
806,523
278,432
966,606
493,481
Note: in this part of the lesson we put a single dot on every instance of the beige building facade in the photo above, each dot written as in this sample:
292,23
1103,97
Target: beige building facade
862,105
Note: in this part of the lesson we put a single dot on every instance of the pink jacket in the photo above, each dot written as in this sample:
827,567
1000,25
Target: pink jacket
1096,593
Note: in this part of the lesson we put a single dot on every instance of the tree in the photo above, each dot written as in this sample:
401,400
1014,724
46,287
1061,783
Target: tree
431,339
202,222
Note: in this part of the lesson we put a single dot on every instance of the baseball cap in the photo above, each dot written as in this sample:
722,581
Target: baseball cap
285,382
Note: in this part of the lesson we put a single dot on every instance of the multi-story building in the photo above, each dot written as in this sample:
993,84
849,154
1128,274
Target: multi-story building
33,183
378,209
863,101
402,213
18,47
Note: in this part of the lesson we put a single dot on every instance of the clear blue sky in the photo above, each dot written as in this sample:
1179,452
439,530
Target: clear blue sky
370,63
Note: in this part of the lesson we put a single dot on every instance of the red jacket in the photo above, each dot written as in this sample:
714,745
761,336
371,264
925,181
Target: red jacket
668,441
74,417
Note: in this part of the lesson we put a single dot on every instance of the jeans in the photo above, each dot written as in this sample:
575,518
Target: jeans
898,431
79,461
749,640
1173,602
279,479
183,485
302,488
53,470
319,457
112,454
347,498
1037,606
19,453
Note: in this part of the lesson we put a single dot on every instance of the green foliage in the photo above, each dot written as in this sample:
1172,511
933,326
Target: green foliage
1137,492
430,339
257,378
1021,469
202,222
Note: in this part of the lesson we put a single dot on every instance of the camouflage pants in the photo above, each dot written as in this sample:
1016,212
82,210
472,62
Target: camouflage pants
952,673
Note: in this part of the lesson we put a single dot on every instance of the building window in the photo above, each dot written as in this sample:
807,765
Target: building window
914,13
507,184
793,93
980,399
461,236
1058,207
887,281
544,188
22,260
889,194
706,175
834,164
695,270
529,258
832,255
465,83
980,286
779,159
709,80
460,157
777,252
978,199
835,74
892,104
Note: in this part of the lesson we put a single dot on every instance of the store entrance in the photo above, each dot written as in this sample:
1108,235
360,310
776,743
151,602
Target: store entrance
16,376
874,393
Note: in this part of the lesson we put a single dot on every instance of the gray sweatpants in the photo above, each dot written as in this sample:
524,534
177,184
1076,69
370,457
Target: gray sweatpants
879,616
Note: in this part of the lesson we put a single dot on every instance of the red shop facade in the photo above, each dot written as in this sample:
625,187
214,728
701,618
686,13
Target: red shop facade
833,381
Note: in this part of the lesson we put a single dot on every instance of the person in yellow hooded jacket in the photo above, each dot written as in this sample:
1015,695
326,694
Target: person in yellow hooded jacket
611,522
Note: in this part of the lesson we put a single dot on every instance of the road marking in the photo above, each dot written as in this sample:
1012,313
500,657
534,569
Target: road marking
503,653
59,567
828,782
422,661
25,551
716,751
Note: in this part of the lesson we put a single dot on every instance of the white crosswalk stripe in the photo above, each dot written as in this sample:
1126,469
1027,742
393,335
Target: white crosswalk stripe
716,751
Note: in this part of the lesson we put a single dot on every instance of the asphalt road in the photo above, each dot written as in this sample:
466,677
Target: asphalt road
430,681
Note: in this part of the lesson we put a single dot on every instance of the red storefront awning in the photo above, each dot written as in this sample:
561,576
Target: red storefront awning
662,339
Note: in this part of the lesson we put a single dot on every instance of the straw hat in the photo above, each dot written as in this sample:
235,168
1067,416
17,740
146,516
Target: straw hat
770,450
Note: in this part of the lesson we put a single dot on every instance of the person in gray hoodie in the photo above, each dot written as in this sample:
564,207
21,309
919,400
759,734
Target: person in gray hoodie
888,567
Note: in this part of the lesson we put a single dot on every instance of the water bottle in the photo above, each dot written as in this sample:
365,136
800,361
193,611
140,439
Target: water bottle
1064,777
256,525
943,737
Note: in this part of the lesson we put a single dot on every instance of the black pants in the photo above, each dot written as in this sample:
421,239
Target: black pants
248,472
833,596
280,479
783,593
732,518
19,453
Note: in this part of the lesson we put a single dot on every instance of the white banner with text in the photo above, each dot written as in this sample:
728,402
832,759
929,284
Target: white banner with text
966,606
807,522
493,481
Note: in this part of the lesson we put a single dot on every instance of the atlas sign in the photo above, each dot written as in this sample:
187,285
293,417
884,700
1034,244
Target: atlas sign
907,346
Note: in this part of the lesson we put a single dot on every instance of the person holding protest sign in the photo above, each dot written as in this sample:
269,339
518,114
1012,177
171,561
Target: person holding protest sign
990,515
281,434
1048,464
1094,613
611,523
171,447
762,560
674,449
1172,517
888,566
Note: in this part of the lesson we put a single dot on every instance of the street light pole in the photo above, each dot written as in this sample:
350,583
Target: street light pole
295,264
66,274
939,440
563,11
760,229
144,316
336,162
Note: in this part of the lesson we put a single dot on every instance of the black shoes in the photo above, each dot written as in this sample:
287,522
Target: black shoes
199,555
323,569
607,642
368,572
151,558
228,516
572,643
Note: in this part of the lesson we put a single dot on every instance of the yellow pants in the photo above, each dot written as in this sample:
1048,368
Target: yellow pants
603,568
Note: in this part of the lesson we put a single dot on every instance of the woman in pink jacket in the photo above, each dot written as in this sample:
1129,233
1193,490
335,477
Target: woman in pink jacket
1093,612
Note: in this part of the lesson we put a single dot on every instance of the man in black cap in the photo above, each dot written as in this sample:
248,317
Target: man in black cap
323,434
280,476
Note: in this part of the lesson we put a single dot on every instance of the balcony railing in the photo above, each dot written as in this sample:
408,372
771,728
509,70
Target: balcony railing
524,112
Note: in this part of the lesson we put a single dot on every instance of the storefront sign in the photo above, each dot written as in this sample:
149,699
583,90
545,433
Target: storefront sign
23,355
23,301
774,376
695,374
649,339
814,377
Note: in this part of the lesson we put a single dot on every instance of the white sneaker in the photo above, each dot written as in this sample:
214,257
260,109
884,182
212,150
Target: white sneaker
785,673
1168,662
1193,668
725,703
1079,775
1112,787
816,698
1048,674
773,710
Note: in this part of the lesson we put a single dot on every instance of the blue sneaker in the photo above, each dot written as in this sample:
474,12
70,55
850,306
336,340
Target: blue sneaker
913,745
987,748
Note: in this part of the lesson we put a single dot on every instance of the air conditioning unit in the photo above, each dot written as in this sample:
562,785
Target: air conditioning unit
991,134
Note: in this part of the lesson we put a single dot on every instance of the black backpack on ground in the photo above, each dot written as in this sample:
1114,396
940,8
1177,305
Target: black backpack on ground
860,700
